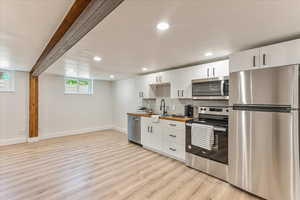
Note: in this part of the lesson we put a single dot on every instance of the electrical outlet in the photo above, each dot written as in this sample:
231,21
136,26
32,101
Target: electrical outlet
173,107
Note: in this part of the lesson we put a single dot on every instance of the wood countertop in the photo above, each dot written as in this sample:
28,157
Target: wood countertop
140,114
179,119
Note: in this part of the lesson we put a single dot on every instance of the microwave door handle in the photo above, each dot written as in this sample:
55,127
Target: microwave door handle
222,88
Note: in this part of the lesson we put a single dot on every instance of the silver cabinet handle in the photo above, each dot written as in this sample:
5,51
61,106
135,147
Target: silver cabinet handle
178,93
174,136
151,130
264,59
213,71
172,124
254,61
148,129
172,149
207,72
182,93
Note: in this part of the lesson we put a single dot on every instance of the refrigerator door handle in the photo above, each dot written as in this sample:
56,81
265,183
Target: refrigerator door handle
263,108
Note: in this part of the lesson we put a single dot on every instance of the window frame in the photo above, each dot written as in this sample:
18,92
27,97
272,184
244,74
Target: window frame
90,86
12,81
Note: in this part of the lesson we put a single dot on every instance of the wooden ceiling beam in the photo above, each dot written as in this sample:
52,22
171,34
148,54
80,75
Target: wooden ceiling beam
83,16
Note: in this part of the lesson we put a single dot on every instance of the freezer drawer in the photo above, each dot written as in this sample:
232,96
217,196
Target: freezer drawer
271,86
264,153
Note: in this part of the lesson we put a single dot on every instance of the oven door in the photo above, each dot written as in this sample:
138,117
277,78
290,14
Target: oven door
210,89
219,150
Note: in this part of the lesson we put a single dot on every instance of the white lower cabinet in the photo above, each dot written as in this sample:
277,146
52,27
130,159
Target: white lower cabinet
174,139
151,136
166,137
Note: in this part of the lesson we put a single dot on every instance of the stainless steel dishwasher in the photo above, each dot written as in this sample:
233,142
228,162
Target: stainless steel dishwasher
134,129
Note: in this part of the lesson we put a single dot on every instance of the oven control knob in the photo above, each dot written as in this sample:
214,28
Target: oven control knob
227,110
190,147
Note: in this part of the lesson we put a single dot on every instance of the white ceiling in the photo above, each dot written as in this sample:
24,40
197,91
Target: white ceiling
127,39
25,29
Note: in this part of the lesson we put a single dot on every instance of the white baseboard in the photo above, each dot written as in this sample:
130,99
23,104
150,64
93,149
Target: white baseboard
122,130
33,139
73,132
11,141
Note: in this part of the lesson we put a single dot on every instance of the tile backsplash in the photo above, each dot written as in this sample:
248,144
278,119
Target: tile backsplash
176,106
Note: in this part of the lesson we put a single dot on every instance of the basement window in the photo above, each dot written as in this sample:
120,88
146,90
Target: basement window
7,81
78,86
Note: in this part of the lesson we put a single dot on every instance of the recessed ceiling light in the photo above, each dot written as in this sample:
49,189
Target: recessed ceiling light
209,54
112,76
97,58
163,26
145,69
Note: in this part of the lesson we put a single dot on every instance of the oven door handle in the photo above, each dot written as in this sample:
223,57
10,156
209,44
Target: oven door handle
220,129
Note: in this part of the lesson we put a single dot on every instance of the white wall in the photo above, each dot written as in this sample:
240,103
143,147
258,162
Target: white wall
14,111
125,100
64,114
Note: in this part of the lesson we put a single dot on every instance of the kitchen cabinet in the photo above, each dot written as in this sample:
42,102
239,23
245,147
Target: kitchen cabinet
181,83
151,136
286,53
174,139
166,137
281,54
211,70
145,131
159,78
218,69
144,91
244,60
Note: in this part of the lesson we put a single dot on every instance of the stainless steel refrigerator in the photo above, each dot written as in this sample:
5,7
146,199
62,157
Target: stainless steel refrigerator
264,132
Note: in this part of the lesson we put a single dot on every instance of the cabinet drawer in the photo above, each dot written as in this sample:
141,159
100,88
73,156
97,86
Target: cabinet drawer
173,125
175,136
174,149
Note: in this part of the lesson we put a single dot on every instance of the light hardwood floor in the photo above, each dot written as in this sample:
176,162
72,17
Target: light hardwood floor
102,165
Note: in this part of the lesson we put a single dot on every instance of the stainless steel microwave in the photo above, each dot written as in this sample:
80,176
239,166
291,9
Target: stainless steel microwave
211,89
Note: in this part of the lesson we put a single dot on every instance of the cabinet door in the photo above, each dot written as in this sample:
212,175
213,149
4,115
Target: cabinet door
286,53
181,83
156,136
143,87
145,131
244,60
198,72
219,69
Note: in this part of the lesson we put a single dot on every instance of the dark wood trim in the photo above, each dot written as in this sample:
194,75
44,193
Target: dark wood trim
82,18
33,105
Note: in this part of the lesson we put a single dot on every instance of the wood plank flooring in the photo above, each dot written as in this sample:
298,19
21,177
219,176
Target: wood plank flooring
102,165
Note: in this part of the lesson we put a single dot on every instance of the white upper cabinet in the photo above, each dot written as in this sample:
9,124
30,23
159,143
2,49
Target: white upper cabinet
281,54
244,60
217,69
211,70
286,53
142,87
181,83
160,77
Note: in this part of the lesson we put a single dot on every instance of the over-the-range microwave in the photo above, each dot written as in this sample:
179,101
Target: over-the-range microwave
211,89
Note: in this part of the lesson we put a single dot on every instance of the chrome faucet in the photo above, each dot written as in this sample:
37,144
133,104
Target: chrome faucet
163,107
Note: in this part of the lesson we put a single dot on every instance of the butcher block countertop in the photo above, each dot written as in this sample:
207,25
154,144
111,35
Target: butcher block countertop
179,119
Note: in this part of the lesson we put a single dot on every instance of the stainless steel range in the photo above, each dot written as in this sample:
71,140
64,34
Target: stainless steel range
207,141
